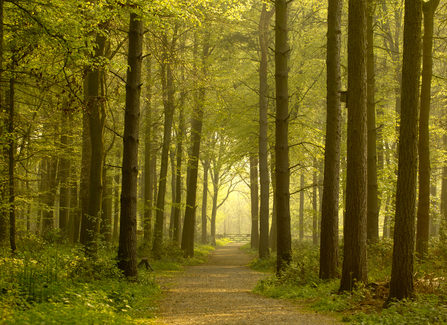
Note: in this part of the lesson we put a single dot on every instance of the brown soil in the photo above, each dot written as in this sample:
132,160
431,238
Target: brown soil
219,292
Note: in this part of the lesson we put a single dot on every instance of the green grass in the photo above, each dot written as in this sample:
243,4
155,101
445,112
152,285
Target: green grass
364,305
47,283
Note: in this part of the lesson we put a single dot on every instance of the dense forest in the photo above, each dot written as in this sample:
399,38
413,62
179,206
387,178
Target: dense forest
150,126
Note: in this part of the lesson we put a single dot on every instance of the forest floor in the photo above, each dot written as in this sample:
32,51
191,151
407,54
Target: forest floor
220,292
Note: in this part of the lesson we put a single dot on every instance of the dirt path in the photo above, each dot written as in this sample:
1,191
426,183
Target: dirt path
219,292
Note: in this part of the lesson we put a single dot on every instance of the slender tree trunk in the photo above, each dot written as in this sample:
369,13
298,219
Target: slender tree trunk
127,249
11,151
206,166
196,131
168,103
3,216
116,208
215,179
148,176
372,193
315,204
354,249
106,216
85,171
264,26
301,213
401,284
173,158
254,199
331,186
284,240
178,172
274,229
64,174
423,212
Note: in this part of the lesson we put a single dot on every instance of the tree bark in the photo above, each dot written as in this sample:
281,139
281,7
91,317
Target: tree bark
264,208
354,250
178,173
423,212
401,284
372,193
301,213
330,199
206,166
254,199
168,103
127,249
284,240
11,164
64,174
196,134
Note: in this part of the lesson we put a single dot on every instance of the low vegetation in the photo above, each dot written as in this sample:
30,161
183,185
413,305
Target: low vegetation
365,304
49,282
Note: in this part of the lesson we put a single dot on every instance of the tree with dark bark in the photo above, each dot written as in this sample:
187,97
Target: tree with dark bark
284,239
196,135
254,199
168,103
372,193
127,249
354,239
330,200
401,284
423,212
264,25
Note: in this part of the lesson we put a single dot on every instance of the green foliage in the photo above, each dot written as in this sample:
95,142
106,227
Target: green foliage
364,305
51,284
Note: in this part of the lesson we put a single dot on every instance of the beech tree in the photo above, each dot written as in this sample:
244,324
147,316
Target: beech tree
401,284
127,249
354,239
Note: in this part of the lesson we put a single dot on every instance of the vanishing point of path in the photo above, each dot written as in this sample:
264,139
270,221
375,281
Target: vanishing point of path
219,292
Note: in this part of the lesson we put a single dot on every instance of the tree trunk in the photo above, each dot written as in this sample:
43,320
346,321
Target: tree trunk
116,209
206,166
273,237
148,176
372,192
11,164
264,209
315,204
254,199
354,250
284,240
178,173
168,103
64,174
401,284
196,131
330,199
301,213
85,170
173,159
423,212
106,216
127,249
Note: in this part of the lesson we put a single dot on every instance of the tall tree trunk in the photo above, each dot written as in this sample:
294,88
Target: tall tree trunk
106,216
423,212
315,204
330,199
116,195
92,220
64,174
196,131
372,192
284,240
11,151
254,199
173,158
264,26
215,178
168,103
127,249
273,237
148,143
301,212
401,284
85,170
178,172
206,167
354,249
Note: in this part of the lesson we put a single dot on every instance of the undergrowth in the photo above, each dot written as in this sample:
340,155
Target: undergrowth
365,304
48,282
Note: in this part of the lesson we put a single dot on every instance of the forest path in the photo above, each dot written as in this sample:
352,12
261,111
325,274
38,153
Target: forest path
219,292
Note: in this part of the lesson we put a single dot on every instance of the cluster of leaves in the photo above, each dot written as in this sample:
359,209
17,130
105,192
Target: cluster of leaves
364,305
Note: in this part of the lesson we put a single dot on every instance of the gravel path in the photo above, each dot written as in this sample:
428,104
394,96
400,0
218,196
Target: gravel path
219,292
